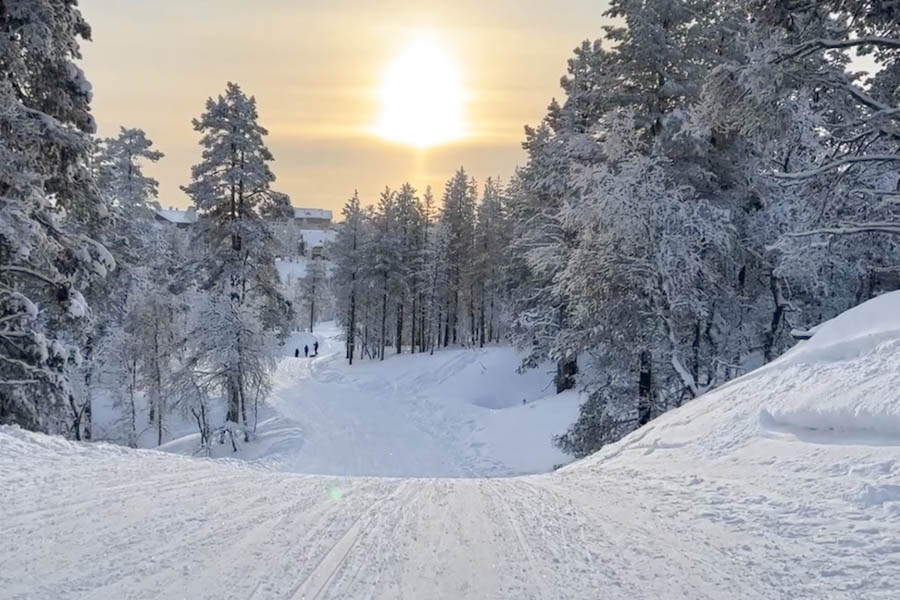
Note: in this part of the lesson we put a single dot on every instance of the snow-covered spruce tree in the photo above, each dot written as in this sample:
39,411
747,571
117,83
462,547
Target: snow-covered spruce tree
48,203
458,218
437,284
823,148
346,255
236,269
744,121
410,229
136,243
385,252
539,248
424,270
623,121
492,239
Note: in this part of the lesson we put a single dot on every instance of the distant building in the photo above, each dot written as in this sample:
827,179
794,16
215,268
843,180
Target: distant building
181,219
306,234
312,218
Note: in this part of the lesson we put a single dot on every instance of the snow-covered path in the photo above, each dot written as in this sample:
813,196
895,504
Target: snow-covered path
458,413
784,484
102,522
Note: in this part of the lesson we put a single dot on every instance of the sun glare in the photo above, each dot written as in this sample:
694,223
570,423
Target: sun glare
422,95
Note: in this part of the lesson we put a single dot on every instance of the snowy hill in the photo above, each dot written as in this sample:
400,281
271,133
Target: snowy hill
782,484
458,413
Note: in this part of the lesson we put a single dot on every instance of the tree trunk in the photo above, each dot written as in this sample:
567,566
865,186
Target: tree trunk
365,346
645,385
777,315
132,387
412,325
233,414
481,321
491,323
351,334
312,309
400,327
566,370
383,340
447,323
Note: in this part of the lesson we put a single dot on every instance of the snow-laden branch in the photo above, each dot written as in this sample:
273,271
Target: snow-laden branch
807,48
848,160
852,229
29,273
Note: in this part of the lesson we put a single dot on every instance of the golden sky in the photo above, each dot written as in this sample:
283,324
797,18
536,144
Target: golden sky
315,68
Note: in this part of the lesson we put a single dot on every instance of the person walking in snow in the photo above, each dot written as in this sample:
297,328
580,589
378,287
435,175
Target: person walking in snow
296,352
306,351
316,348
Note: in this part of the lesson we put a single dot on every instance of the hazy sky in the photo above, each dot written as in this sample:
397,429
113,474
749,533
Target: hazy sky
315,68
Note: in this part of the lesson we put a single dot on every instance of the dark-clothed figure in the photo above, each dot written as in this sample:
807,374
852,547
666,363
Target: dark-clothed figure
306,351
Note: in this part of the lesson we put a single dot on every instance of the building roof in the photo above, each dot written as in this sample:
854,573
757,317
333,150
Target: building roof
312,213
178,217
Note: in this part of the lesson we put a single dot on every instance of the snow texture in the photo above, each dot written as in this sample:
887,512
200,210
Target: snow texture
751,491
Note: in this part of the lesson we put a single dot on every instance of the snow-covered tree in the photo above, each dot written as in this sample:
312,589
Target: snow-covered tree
346,254
236,269
137,245
458,217
492,239
49,206
715,176
313,292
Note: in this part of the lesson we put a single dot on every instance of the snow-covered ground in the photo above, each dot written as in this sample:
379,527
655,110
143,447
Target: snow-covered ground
291,269
783,484
458,413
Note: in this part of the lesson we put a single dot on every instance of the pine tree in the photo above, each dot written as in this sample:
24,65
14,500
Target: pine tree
136,242
492,239
49,206
237,267
458,215
347,258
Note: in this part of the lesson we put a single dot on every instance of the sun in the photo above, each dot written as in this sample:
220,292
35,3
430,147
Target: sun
422,95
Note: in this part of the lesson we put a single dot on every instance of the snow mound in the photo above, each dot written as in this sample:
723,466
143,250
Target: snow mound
846,377
841,387
853,333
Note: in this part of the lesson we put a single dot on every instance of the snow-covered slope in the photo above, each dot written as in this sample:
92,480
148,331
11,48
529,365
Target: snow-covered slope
458,413
783,484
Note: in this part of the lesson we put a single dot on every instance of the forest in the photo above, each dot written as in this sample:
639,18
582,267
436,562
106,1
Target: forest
717,178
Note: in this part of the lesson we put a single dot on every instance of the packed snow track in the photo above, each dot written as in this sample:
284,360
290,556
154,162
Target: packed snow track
784,484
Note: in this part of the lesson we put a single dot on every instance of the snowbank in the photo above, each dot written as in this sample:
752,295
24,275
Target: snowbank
841,387
853,333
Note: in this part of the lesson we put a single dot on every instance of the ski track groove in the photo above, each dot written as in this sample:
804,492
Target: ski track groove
334,558
500,498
